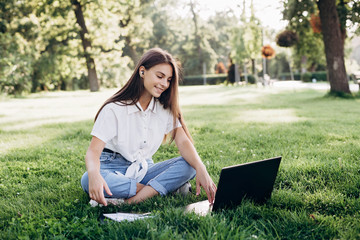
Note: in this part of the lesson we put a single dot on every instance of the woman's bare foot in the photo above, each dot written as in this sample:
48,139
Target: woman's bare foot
139,186
145,193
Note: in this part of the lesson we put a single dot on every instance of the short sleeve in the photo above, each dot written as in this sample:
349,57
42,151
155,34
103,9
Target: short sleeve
106,125
170,125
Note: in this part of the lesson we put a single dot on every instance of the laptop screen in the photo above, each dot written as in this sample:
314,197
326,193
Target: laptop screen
254,180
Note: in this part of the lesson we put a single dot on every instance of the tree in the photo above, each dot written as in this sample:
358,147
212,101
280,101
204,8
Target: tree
193,43
16,53
46,50
86,43
333,19
197,37
246,39
309,50
135,28
334,46
253,37
220,26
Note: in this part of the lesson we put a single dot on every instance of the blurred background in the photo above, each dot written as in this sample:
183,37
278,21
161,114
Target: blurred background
48,45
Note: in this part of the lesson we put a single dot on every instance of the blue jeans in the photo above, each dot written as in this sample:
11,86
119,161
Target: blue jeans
164,177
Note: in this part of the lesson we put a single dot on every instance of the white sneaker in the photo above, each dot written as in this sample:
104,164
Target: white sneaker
184,189
112,201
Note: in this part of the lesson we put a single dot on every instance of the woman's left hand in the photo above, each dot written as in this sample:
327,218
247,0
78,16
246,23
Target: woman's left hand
204,180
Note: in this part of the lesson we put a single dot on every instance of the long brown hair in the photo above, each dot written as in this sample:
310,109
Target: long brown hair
132,90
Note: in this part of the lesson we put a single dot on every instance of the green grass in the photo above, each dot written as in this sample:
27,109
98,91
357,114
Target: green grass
316,193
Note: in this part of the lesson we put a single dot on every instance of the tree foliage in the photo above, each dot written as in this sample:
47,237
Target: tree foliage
42,42
46,50
318,23
303,17
309,50
287,38
246,38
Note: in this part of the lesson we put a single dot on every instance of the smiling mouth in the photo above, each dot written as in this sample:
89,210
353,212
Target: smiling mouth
159,89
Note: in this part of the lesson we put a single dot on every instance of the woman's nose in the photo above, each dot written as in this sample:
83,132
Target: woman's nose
164,82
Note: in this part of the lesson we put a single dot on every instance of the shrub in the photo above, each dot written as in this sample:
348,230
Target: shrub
319,76
309,76
211,79
306,77
251,79
287,76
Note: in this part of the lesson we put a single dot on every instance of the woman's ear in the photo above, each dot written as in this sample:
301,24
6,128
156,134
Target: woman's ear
141,71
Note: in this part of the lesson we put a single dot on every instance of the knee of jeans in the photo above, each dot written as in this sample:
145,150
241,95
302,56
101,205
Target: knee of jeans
189,170
192,172
85,182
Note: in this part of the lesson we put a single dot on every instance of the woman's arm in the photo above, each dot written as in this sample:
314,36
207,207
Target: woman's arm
188,152
97,183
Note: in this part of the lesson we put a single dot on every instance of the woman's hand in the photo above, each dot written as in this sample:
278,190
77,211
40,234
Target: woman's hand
204,180
97,185
188,151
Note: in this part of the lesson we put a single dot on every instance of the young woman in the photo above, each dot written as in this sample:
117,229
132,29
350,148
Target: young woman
130,127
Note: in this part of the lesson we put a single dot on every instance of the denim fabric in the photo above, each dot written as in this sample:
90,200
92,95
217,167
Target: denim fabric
164,177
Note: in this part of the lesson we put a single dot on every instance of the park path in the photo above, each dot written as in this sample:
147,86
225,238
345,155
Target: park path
302,85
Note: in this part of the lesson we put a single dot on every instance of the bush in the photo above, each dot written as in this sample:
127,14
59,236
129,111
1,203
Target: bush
306,77
287,76
211,79
251,79
309,76
319,76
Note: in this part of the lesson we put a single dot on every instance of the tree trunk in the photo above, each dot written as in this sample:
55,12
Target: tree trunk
334,46
290,69
129,50
196,34
90,63
253,66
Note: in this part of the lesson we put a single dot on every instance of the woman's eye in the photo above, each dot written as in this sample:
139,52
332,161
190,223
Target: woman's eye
159,77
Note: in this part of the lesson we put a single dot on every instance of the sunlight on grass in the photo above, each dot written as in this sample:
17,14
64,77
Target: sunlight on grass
21,119
66,107
62,107
269,116
218,95
19,141
52,107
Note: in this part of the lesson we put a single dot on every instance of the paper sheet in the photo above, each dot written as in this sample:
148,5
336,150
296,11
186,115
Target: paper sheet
119,216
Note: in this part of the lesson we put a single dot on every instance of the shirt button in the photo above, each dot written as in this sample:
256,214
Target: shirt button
144,141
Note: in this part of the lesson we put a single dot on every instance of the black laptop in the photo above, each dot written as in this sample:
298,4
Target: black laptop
253,180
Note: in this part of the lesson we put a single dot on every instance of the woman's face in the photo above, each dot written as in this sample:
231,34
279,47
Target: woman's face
156,79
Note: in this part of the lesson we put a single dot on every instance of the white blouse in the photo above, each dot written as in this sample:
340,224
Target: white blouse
134,133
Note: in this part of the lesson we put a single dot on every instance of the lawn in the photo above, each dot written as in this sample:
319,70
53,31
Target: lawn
44,137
